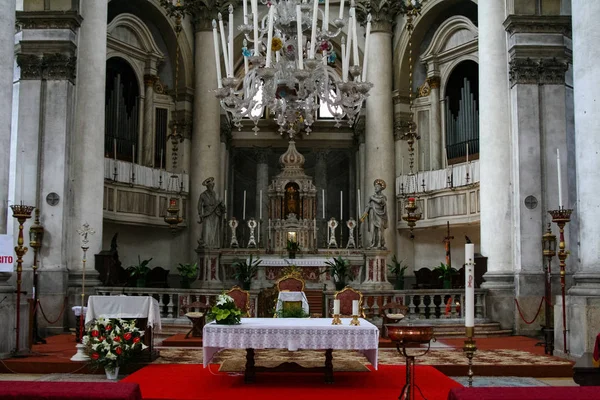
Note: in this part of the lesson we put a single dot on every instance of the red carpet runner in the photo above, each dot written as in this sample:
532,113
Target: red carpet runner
192,381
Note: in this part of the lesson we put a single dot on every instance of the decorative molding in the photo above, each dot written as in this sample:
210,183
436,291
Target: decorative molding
545,71
150,80
54,66
434,82
559,24
424,90
48,20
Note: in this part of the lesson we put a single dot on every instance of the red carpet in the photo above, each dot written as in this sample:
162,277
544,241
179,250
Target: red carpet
192,381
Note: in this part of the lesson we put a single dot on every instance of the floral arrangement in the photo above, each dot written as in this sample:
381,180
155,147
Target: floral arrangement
225,312
110,342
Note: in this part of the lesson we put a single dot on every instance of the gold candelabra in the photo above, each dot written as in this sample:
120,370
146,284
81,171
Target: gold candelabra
22,213
355,321
561,217
336,320
470,348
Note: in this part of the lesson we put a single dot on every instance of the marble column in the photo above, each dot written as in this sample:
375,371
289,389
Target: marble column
262,184
85,192
146,156
205,146
435,126
379,122
321,185
495,151
584,297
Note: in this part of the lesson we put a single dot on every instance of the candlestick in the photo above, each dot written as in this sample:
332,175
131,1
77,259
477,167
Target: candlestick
133,156
161,159
217,53
324,27
467,152
336,307
244,210
354,38
315,231
230,39
344,66
245,11
323,198
260,205
299,33
225,200
366,55
224,44
254,4
469,285
341,16
270,37
341,205
313,33
560,203
115,148
358,201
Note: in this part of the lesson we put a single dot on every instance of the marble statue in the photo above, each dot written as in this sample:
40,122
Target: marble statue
211,211
377,215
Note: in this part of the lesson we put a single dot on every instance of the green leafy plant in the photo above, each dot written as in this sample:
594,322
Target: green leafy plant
188,271
292,246
397,269
245,270
292,311
140,271
445,273
340,270
225,312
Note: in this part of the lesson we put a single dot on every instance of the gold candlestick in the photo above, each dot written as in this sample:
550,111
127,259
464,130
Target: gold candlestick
470,350
355,321
336,320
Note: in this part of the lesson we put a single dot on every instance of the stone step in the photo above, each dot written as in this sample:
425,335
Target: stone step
458,334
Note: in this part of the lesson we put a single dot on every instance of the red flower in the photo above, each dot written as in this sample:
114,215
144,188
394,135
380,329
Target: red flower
108,328
118,350
95,356
95,333
117,339
411,199
127,336
136,340
102,338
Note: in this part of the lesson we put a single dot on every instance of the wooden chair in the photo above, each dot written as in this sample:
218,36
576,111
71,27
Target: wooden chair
392,313
346,296
291,283
198,318
241,298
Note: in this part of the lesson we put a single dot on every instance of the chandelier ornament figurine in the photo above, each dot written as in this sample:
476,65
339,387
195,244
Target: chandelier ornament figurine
290,67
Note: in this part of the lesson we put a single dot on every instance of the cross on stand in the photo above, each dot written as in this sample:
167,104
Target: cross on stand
446,241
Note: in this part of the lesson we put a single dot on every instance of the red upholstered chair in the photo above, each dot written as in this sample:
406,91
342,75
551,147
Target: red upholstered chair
291,283
346,296
241,298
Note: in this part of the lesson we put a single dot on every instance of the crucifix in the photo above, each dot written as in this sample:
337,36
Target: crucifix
446,241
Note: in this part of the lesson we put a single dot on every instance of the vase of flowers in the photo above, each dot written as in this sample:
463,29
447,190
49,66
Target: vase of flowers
110,342
225,312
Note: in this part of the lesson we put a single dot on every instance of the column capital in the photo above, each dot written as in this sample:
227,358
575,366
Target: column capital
204,11
383,14
434,82
54,66
543,71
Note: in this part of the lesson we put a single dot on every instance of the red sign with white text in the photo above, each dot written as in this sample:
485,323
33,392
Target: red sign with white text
7,253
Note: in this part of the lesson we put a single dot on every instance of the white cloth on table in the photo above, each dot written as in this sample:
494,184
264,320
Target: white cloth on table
291,333
77,310
292,296
124,307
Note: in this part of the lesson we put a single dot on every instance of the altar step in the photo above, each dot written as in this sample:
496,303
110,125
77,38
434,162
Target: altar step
487,329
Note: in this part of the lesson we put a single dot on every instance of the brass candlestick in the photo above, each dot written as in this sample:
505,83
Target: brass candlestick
470,350
21,213
561,217
336,320
355,321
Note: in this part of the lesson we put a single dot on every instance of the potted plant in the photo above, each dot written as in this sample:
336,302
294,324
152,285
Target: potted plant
445,273
397,269
187,272
110,342
340,270
225,312
292,247
139,272
245,270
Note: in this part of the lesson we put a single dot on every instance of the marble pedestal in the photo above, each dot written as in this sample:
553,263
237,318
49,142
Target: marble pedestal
376,270
210,270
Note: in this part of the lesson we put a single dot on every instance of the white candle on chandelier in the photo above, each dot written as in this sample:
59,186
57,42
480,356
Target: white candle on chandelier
245,43
323,198
133,156
341,205
560,203
348,44
344,67
225,200
469,285
224,44
313,33
423,161
359,208
244,209
115,148
299,34
231,39
325,25
161,159
354,38
341,16
366,55
260,205
270,36
254,5
467,152
245,10
217,53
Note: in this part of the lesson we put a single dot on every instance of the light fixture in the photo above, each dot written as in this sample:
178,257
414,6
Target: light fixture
289,61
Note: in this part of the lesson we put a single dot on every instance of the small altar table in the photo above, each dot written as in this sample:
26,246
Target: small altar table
291,334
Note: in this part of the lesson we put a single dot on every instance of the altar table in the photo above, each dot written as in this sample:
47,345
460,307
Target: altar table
291,334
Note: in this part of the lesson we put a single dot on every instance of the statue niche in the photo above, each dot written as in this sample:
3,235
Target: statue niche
292,199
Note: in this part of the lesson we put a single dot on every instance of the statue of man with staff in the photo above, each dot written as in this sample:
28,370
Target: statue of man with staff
210,213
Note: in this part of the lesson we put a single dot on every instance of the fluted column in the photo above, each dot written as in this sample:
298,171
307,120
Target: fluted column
87,141
435,129
147,152
321,184
262,184
205,147
379,135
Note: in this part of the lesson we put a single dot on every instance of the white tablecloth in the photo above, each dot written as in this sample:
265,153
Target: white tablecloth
292,334
124,307
292,296
269,261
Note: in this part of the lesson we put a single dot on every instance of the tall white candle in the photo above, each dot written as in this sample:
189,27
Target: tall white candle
315,231
467,152
231,39
344,66
299,33
313,33
355,307
255,26
244,209
560,202
341,16
217,53
270,37
245,43
348,44
161,159
354,38
469,285
269,230
366,55
323,199
341,205
115,148
224,44
359,207
260,205
133,156
225,200
336,307
245,10
325,25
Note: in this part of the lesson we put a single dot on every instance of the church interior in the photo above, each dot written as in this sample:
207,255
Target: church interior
401,187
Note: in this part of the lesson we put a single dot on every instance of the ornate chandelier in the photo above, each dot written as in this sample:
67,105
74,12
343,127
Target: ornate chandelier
289,64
